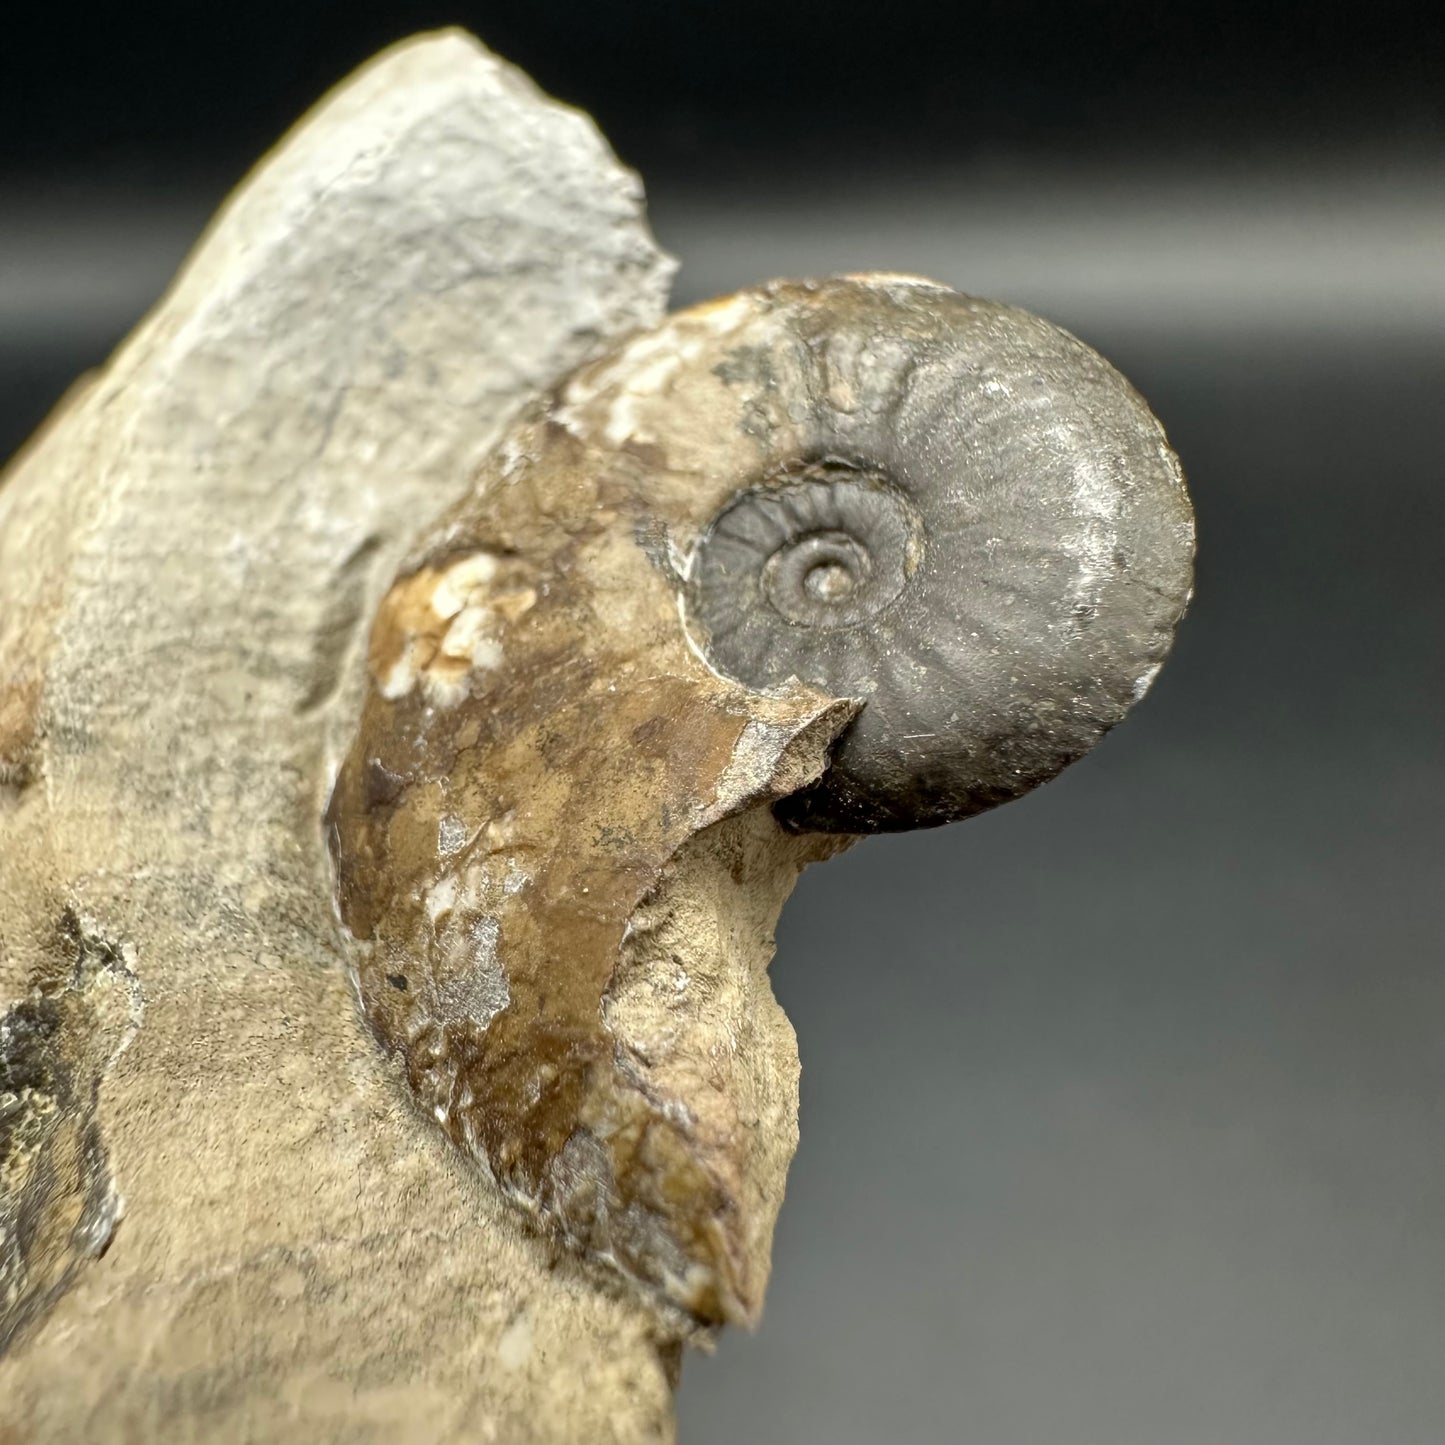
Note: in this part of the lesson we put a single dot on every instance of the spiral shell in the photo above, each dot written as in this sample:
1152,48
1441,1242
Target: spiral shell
811,560
974,525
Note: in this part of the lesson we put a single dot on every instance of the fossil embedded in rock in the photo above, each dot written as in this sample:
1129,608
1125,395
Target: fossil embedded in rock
815,559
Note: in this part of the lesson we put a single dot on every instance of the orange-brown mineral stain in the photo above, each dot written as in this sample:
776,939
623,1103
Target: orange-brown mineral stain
20,727
521,812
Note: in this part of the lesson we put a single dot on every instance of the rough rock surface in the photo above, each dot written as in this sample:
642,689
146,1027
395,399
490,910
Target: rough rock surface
221,1217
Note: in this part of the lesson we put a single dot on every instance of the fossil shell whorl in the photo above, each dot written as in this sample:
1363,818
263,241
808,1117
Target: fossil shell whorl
970,521
836,556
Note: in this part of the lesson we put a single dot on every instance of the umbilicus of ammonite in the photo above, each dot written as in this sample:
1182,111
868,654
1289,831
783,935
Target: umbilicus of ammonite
836,557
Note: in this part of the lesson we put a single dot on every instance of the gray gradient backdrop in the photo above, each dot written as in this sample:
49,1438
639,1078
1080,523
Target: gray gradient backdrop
1123,1106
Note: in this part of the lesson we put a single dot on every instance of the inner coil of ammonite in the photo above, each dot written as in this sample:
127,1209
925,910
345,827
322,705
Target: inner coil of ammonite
830,547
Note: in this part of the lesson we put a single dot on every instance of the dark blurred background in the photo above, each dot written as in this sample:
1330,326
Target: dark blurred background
1124,1106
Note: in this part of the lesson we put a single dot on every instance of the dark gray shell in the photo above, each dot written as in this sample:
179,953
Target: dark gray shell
971,521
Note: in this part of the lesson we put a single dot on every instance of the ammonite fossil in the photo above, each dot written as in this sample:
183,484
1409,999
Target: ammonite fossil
827,558
970,521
